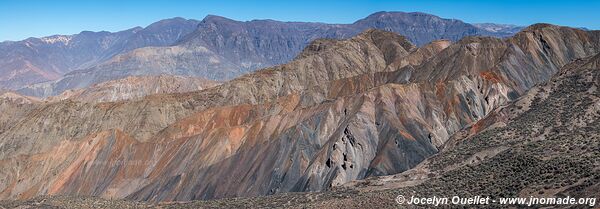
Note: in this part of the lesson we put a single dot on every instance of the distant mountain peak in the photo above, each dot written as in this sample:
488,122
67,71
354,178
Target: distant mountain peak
383,13
169,21
386,14
216,18
177,19
538,26
413,18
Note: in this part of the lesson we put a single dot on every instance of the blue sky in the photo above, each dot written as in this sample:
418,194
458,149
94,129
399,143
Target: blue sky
20,19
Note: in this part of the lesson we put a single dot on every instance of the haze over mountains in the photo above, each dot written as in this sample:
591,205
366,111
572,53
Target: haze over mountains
41,59
215,48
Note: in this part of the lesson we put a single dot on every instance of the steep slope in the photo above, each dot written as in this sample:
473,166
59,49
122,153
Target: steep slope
37,60
343,110
135,87
542,145
14,107
222,49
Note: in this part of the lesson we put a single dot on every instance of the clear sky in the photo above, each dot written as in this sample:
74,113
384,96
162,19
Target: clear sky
20,19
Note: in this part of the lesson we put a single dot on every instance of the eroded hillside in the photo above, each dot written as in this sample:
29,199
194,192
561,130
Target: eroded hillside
343,110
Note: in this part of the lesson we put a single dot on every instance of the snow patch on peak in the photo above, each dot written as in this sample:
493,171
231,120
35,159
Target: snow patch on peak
57,39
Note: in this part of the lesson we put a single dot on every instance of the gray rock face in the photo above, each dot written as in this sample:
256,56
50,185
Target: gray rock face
222,49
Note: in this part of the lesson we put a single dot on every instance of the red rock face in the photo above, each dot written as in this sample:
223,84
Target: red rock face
343,110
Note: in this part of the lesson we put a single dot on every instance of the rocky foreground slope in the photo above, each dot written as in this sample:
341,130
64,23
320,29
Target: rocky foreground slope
343,110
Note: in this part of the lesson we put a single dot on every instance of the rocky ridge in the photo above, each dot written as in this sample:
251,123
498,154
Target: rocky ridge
135,87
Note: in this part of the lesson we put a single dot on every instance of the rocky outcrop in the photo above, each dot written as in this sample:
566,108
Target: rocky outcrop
15,107
343,110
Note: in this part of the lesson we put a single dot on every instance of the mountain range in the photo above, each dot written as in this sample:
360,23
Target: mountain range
263,113
342,110
215,48
37,60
